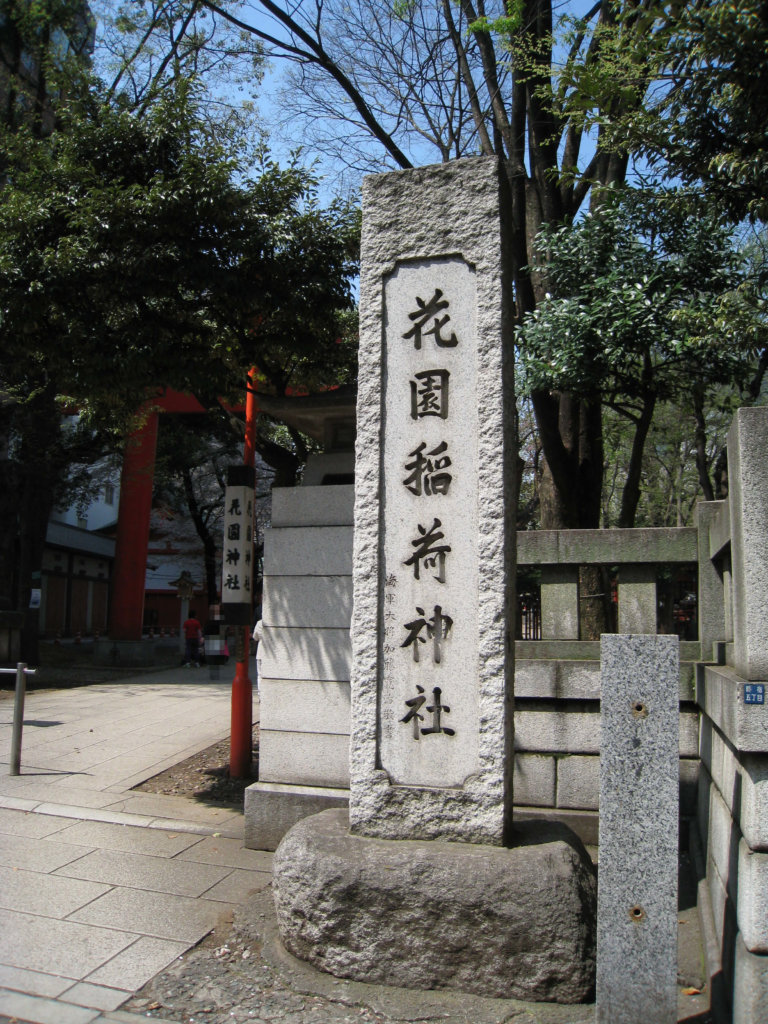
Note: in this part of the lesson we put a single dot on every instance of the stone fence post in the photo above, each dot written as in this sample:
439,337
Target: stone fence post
748,498
639,797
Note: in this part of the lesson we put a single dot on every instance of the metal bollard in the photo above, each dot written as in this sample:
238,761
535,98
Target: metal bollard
18,717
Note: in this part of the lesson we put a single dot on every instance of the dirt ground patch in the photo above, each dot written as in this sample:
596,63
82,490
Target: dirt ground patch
205,777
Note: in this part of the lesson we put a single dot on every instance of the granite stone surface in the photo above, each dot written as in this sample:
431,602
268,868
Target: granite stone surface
748,497
742,781
711,591
750,988
433,556
637,895
720,695
637,599
516,922
560,602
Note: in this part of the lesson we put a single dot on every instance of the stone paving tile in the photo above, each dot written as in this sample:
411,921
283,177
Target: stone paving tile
134,966
17,803
36,854
159,874
43,1011
108,836
97,997
22,823
238,886
101,814
17,785
73,792
221,850
57,947
30,892
120,1017
159,805
34,983
160,914
229,830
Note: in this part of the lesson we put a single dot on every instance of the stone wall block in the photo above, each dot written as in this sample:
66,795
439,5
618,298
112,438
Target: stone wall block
534,780
308,551
742,781
305,705
711,603
323,602
300,758
637,599
750,986
578,782
561,730
560,602
607,547
557,731
271,809
748,498
295,653
720,694
753,898
313,506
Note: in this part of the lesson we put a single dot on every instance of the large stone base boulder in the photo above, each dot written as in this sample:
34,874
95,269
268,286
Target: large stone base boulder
514,922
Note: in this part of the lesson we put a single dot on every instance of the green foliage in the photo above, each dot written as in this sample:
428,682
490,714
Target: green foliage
715,112
642,295
131,259
507,24
146,47
704,119
44,50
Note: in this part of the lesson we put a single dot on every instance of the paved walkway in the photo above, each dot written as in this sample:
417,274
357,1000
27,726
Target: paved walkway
101,887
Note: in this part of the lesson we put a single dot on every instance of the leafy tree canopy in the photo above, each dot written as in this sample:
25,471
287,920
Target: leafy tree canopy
131,257
144,48
644,292
705,119
138,252
648,302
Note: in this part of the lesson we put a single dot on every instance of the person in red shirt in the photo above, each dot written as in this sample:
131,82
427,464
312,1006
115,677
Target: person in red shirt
192,631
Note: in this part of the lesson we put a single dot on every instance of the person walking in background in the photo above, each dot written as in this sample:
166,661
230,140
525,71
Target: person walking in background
192,633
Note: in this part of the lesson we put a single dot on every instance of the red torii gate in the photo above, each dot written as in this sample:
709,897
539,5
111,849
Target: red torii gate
126,616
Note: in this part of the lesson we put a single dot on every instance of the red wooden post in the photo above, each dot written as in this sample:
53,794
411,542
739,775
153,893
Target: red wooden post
127,606
242,687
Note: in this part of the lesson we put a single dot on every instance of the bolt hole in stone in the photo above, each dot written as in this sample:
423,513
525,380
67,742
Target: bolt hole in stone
636,913
639,709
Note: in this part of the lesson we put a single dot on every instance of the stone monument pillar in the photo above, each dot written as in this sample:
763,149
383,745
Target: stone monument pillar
427,884
431,744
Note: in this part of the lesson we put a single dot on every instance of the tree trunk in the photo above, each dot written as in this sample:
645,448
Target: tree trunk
702,462
39,477
630,495
208,541
572,468
9,489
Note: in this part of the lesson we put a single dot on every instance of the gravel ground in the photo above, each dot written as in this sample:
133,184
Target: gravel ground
241,975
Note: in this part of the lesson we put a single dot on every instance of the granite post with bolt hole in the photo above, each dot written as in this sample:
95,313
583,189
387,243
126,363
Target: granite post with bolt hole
639,807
